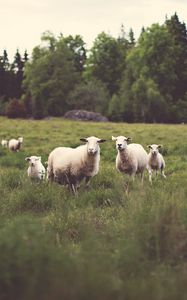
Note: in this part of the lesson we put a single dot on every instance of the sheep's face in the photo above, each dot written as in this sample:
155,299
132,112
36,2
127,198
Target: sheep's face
4,143
20,139
121,142
92,144
33,160
154,149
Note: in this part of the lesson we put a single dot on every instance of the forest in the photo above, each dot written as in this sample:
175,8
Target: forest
125,79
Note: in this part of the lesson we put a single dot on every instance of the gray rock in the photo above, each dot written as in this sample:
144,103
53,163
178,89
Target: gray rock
84,115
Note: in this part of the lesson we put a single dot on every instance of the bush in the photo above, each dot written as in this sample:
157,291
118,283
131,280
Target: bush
15,109
92,96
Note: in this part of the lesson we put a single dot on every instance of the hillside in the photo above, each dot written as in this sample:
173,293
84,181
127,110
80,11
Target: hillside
104,243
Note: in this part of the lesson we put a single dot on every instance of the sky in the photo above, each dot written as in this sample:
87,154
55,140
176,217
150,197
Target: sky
22,22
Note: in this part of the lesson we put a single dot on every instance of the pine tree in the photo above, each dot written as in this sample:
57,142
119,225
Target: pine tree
25,57
18,66
131,38
4,68
2,76
178,34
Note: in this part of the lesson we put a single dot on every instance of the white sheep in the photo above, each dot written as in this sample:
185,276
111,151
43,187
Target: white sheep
4,143
35,170
131,158
15,145
155,161
69,166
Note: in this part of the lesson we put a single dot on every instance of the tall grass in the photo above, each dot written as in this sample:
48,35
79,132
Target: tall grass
104,243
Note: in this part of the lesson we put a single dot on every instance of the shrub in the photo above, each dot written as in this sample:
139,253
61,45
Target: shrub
15,109
91,96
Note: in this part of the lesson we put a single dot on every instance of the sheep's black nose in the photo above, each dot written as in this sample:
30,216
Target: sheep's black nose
119,145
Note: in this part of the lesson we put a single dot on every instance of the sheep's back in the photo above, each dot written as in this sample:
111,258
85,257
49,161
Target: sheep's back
64,158
138,152
12,143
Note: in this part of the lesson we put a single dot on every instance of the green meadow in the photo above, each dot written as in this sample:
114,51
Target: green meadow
104,243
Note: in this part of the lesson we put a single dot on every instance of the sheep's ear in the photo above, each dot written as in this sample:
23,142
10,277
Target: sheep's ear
83,139
114,138
128,139
101,141
27,159
159,146
149,146
38,158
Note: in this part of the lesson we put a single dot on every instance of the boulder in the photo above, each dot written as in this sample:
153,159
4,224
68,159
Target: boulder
84,115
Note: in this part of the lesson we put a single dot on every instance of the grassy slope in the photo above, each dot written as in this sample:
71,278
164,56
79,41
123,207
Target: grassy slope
55,246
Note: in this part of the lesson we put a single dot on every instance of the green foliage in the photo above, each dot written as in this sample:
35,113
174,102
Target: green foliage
11,75
178,35
114,109
134,81
77,46
155,78
106,61
91,96
104,242
50,76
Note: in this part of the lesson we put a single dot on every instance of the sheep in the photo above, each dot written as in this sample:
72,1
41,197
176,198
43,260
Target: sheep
4,143
15,145
131,158
69,166
35,170
155,161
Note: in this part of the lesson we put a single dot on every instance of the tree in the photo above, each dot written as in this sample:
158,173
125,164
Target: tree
114,109
148,105
77,46
4,68
2,77
90,96
149,74
49,77
18,67
178,34
131,38
106,61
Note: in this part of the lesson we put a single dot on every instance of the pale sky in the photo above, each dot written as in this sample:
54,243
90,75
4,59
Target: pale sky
22,22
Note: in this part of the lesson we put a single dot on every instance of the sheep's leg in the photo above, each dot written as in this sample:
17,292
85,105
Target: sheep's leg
162,173
142,177
150,175
127,188
87,181
50,175
132,177
73,188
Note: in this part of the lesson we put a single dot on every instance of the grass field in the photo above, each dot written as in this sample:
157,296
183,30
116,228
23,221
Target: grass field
102,244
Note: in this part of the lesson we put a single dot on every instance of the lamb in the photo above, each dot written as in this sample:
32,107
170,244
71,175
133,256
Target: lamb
15,145
4,143
35,170
131,158
155,161
69,166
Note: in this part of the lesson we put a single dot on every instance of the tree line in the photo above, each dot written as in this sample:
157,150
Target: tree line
143,80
